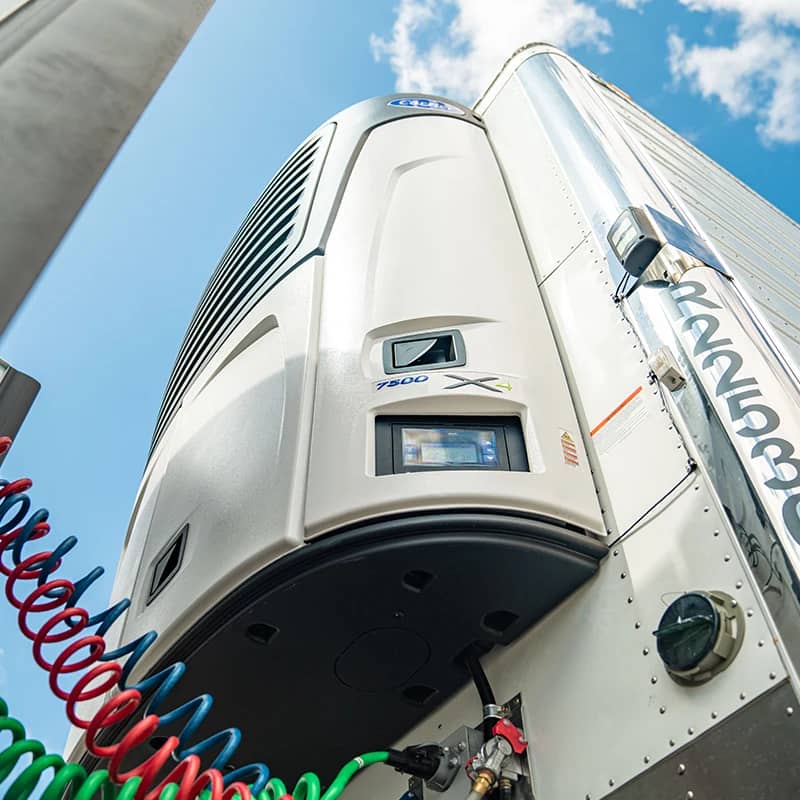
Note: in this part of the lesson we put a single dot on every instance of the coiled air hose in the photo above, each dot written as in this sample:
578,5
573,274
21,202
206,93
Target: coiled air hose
100,672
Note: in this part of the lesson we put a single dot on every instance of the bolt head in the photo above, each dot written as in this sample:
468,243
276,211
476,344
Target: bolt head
681,769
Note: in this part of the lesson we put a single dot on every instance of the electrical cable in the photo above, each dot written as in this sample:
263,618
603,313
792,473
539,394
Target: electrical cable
101,671
473,664
485,692
690,470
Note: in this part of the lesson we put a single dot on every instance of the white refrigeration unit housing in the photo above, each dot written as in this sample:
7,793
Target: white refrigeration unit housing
514,383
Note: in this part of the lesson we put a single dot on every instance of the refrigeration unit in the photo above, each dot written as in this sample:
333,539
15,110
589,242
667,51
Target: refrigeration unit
512,385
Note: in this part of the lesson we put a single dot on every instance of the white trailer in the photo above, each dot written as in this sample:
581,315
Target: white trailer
515,384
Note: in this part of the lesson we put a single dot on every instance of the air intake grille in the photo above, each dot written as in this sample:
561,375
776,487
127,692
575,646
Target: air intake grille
248,269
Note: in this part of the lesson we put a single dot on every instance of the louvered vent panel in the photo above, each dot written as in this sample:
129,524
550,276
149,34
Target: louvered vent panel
245,273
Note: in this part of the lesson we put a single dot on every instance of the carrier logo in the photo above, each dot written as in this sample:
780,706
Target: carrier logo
425,104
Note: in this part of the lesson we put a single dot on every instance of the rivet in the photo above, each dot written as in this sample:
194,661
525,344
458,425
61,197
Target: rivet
726,558
616,553
623,575
713,715
738,584
690,731
662,710
672,743
630,600
749,612
653,679
705,510
760,642
716,533
772,676
789,711
462,746
742,695
681,769
610,781
690,795
646,759
637,625
646,651
734,603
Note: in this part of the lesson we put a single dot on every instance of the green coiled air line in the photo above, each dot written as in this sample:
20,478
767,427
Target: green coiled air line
72,782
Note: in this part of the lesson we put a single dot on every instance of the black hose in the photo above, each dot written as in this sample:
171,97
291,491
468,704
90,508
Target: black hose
505,790
480,680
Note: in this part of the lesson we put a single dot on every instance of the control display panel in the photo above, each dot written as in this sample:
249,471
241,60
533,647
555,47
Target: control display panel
448,447
413,444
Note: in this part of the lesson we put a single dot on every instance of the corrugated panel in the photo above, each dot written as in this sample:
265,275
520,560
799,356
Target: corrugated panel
249,268
760,243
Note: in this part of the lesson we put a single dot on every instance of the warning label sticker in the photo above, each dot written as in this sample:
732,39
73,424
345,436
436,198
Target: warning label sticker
569,449
620,423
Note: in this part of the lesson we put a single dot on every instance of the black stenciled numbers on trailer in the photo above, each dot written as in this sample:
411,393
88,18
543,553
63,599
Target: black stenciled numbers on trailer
739,405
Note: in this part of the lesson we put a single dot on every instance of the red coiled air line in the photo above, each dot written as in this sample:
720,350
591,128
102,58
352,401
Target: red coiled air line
83,654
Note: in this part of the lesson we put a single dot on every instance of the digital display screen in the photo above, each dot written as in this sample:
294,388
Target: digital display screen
441,453
449,447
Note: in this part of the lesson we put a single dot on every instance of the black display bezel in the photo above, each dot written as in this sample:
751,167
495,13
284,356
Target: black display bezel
511,455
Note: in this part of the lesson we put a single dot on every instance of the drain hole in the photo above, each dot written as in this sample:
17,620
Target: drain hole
419,695
499,621
417,580
260,632
157,742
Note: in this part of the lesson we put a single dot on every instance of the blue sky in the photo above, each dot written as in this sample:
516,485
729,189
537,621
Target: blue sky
103,324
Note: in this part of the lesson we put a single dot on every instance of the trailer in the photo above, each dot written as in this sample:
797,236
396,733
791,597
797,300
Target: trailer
477,459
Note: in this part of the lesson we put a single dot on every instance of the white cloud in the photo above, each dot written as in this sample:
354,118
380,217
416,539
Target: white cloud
781,11
758,74
456,47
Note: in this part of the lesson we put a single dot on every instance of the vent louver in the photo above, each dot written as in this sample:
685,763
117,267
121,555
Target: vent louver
247,271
